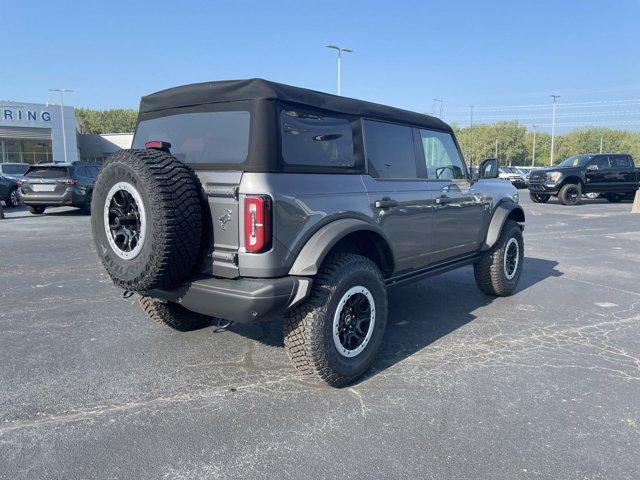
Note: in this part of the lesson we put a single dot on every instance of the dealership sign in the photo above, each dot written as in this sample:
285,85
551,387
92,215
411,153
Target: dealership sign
14,115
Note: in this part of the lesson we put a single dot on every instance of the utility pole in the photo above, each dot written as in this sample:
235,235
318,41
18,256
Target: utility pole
533,159
496,148
471,135
62,91
600,143
553,127
340,50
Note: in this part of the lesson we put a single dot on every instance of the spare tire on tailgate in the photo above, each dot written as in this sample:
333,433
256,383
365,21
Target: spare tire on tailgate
147,219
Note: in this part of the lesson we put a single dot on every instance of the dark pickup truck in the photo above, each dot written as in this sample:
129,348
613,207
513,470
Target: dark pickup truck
613,175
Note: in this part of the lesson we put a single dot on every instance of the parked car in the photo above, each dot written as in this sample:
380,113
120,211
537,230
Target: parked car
509,173
246,200
58,184
613,175
10,173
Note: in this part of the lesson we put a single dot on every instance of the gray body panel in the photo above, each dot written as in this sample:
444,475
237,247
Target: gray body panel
421,230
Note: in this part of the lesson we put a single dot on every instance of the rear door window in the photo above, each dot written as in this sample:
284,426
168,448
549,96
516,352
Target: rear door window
14,169
620,161
390,150
316,140
48,172
200,138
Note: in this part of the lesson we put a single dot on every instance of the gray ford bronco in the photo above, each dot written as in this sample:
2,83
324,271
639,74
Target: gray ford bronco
249,200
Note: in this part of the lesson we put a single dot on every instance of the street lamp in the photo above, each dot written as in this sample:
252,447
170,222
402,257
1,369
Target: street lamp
340,50
533,159
62,91
553,126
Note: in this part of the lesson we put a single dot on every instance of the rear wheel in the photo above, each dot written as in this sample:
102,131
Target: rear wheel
570,194
498,272
334,335
539,197
173,315
614,197
36,209
13,199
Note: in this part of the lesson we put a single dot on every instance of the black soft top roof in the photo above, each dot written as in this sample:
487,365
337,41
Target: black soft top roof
259,89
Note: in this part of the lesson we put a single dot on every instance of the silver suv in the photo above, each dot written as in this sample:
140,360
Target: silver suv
249,200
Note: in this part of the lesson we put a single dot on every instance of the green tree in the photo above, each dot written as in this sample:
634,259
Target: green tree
118,120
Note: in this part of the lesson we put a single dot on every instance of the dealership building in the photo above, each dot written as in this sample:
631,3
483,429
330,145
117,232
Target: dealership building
35,133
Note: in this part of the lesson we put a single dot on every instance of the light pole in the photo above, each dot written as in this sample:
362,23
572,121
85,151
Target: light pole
64,135
553,126
340,50
441,102
533,159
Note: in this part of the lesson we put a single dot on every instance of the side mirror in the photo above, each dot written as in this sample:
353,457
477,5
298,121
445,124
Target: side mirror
489,168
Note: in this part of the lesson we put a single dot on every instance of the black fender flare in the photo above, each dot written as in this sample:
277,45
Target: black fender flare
321,242
500,215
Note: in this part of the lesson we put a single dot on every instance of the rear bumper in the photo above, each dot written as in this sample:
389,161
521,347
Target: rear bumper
70,197
239,300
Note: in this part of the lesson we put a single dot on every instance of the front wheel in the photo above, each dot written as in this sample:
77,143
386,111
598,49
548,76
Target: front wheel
539,197
498,272
570,194
13,199
334,335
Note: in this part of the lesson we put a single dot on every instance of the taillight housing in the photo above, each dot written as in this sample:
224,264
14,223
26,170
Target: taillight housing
257,223
69,181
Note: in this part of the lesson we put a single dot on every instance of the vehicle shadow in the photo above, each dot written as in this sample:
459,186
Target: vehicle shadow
21,212
421,313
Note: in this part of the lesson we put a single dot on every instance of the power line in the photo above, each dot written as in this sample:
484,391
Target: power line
565,115
546,105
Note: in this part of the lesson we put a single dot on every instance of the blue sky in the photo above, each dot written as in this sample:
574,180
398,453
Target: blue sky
406,53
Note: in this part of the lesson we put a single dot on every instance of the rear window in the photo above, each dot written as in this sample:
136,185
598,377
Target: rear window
206,138
317,140
618,161
14,169
48,172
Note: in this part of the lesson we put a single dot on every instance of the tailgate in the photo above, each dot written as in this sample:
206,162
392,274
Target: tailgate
221,229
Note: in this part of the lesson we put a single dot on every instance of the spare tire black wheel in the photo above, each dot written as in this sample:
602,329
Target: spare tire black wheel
146,218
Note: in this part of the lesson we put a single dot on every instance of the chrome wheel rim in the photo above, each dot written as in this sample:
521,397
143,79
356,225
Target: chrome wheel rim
125,220
354,321
511,258
14,198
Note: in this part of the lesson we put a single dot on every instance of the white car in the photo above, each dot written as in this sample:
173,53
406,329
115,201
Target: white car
508,173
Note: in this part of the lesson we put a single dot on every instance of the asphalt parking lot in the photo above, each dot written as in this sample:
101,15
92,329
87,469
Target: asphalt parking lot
543,384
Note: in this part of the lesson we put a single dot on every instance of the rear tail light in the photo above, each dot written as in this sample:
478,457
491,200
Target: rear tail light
158,145
257,223
68,181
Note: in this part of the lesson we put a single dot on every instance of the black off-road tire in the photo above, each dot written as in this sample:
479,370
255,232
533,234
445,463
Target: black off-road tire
539,197
171,196
173,315
36,209
12,200
570,194
308,328
489,271
614,197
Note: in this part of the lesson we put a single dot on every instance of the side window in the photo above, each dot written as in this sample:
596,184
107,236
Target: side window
600,161
312,139
441,156
390,150
620,161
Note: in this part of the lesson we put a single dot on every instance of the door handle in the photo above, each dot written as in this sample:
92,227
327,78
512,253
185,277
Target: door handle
386,203
443,200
